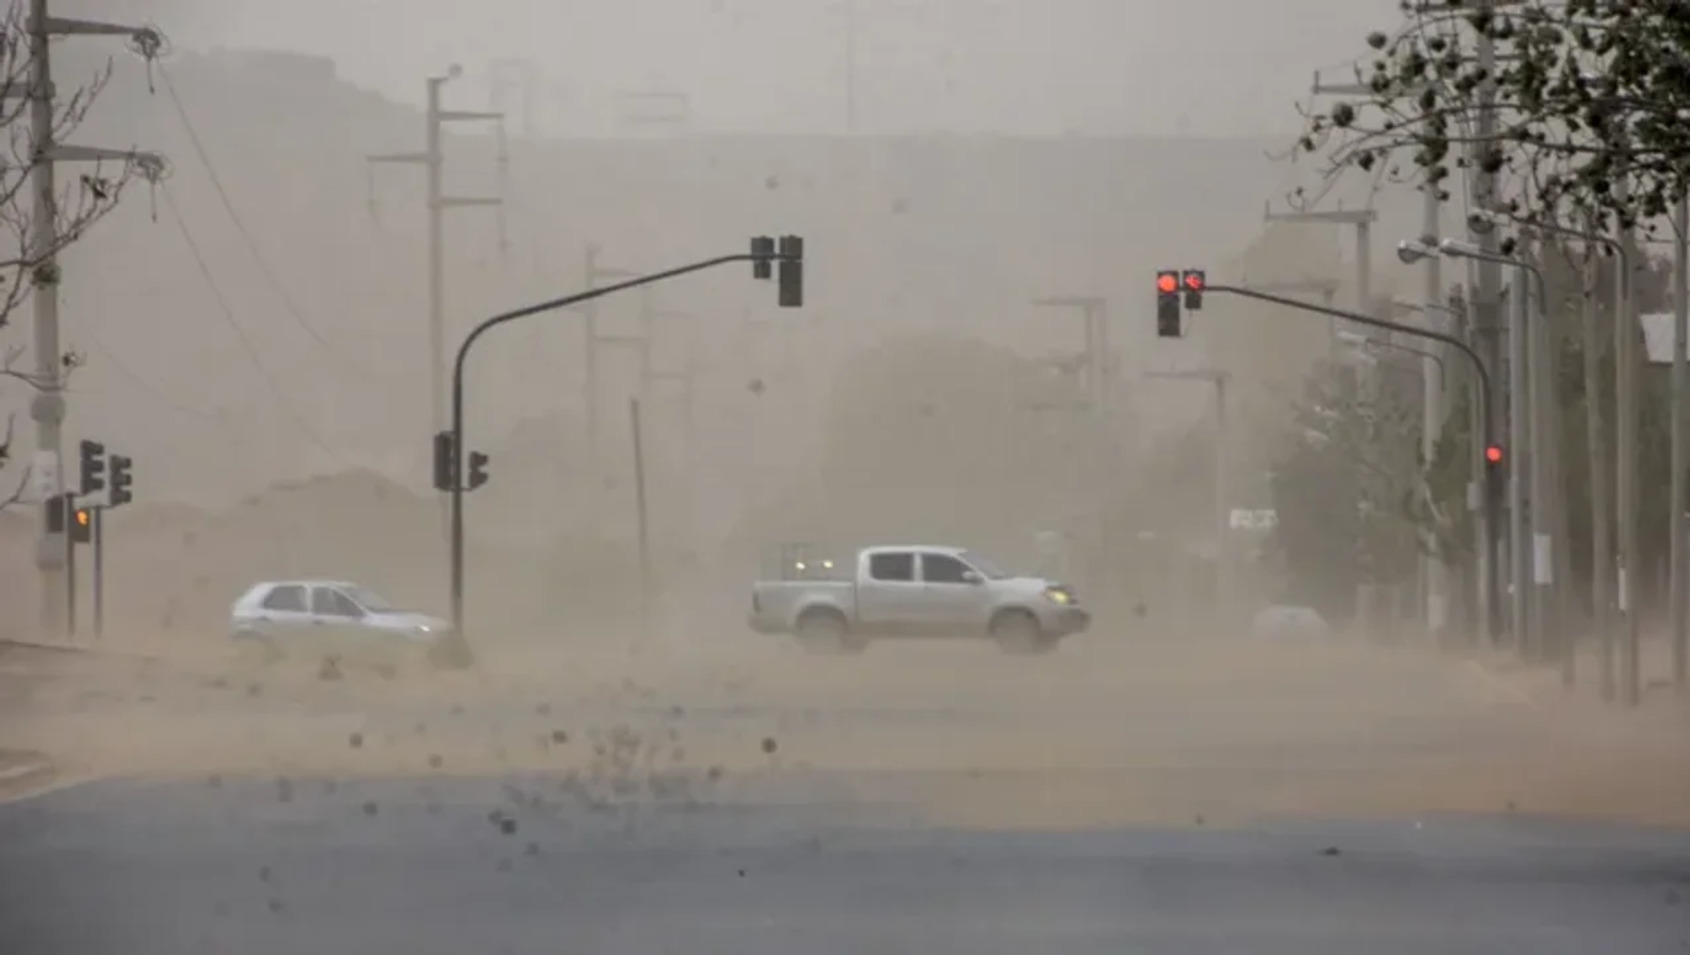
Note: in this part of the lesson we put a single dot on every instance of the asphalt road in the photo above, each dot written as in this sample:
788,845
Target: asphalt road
520,865
1116,798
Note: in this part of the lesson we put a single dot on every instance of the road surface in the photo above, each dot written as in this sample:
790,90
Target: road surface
1114,798
517,865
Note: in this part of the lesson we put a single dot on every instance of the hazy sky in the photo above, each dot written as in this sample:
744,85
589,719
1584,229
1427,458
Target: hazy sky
1032,66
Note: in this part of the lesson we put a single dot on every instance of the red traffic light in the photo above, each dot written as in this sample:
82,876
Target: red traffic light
1167,282
1493,454
82,516
1194,281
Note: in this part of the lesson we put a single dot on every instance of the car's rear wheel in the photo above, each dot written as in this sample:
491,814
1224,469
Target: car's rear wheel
825,632
1018,632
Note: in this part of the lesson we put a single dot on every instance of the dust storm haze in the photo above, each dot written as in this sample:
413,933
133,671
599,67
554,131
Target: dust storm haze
256,337
1003,152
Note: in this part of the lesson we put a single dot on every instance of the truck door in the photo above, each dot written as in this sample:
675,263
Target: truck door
888,593
953,601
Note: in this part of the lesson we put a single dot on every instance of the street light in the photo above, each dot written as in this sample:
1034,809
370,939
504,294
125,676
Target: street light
1410,250
1484,221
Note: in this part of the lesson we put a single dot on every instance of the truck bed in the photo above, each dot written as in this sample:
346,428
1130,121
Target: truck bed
775,603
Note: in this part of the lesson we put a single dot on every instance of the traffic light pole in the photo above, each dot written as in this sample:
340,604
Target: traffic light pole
96,521
790,252
69,503
1488,501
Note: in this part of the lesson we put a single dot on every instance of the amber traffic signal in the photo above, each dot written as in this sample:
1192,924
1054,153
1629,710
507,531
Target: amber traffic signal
82,525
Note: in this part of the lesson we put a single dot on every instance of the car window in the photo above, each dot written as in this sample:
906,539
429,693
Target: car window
987,567
370,601
942,569
892,566
285,599
329,602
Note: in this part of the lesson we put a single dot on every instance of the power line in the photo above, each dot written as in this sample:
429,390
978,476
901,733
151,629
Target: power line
246,341
247,239
146,387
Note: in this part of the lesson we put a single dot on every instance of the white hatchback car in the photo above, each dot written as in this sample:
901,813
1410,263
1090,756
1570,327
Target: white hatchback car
333,622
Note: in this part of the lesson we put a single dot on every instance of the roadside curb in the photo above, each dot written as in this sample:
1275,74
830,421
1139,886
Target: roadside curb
70,649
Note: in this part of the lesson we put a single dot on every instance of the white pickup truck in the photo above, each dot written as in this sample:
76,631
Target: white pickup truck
914,591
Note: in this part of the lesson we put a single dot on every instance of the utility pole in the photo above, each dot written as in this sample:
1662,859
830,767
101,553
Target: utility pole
47,410
1626,362
595,273
433,161
1099,365
1432,568
1362,220
1601,510
1218,378
850,66
1487,300
1680,505
1540,424
1519,419
514,74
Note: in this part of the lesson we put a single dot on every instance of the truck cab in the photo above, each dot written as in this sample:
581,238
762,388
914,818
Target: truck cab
914,591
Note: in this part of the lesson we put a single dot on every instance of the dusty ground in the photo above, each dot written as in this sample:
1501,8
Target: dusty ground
1107,731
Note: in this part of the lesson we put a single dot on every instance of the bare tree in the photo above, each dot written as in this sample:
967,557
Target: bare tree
78,204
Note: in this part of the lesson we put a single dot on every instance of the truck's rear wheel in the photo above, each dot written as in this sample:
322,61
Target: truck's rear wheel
1018,632
825,632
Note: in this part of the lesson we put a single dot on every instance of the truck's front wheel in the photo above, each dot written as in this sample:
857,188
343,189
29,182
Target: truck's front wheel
1018,632
825,632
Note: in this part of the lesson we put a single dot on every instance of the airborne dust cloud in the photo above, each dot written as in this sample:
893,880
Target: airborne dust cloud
919,397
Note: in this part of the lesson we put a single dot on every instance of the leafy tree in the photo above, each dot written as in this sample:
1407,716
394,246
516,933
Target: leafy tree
79,203
1349,490
1588,95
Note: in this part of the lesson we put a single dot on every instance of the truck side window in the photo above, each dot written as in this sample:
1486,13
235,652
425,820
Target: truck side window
892,566
942,569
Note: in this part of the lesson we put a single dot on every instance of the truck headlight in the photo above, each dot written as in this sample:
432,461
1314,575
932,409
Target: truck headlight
1056,596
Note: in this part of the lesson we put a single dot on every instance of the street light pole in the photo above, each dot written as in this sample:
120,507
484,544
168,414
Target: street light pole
1677,594
763,256
1482,372
1217,377
1520,436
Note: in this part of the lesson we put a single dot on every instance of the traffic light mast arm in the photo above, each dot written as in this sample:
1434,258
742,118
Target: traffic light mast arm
564,302
764,254
1360,319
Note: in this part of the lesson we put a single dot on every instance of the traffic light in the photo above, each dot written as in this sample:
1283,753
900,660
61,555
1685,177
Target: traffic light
445,461
1496,479
1167,304
762,262
477,470
791,271
93,466
82,525
120,481
1194,282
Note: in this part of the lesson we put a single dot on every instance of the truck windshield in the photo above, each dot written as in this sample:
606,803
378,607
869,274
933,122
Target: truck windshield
984,566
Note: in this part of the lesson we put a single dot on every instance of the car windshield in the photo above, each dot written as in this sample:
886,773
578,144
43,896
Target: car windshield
369,601
984,566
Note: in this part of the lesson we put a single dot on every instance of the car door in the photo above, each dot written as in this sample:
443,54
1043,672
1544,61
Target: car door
954,598
888,593
336,623
282,613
